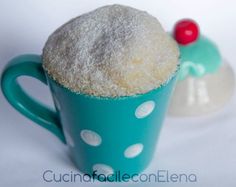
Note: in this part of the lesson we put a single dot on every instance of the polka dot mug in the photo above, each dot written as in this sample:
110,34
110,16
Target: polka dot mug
105,135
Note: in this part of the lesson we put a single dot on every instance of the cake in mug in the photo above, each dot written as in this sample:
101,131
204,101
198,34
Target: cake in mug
112,51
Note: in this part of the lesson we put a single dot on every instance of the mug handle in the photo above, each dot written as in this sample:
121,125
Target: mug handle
29,65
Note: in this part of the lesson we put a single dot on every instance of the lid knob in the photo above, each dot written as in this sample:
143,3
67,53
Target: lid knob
186,31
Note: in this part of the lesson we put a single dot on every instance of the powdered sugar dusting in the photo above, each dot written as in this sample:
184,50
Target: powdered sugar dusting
112,51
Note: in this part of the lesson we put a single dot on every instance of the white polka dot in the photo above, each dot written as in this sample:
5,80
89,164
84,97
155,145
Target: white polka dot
145,109
133,150
103,169
91,137
69,140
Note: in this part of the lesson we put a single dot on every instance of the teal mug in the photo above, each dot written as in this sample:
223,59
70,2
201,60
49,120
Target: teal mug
105,135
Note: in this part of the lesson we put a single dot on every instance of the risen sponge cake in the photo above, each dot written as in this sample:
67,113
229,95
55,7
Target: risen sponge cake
110,52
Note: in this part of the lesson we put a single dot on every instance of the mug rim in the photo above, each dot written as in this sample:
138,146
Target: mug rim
116,97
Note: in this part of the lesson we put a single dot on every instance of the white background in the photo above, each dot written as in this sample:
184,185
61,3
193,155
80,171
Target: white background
205,146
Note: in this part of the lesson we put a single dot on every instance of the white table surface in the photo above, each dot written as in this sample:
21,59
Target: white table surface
205,145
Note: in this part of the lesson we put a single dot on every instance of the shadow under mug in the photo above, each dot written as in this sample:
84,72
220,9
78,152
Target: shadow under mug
105,135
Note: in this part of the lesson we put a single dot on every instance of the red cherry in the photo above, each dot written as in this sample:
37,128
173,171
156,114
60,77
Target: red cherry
186,31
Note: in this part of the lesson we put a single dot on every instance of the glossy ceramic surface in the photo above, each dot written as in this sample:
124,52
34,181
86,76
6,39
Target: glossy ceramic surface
195,96
105,135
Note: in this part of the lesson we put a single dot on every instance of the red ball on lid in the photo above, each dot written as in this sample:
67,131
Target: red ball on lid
186,31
